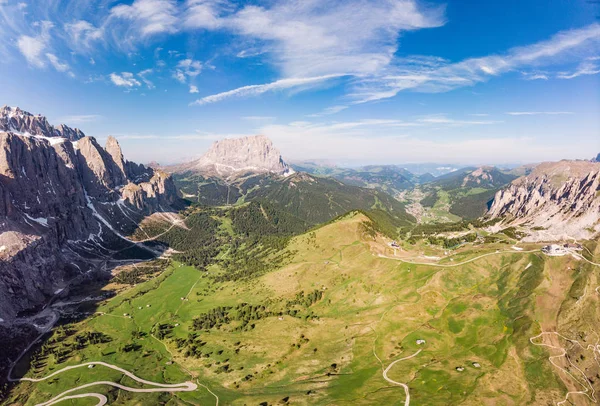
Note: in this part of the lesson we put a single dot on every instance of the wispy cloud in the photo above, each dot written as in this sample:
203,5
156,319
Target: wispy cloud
82,35
125,79
149,16
187,68
329,110
57,64
258,118
455,122
143,75
445,77
33,48
588,67
254,90
535,75
537,113
79,119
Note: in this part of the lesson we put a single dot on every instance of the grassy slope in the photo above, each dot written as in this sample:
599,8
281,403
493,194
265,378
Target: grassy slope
482,312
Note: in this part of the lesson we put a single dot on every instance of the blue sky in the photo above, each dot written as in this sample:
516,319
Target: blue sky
354,81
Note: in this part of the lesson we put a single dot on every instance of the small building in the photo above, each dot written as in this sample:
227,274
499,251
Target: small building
476,365
394,244
554,250
573,246
460,369
420,342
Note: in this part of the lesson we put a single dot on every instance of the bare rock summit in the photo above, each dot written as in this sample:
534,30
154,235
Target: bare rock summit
239,156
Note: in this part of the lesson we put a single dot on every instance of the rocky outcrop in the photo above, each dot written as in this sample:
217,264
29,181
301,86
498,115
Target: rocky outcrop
486,177
13,119
557,200
239,156
60,201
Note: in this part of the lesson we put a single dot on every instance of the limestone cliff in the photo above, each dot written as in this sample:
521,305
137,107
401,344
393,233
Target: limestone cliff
557,200
62,201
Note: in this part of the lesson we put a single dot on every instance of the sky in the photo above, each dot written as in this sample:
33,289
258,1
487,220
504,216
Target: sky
351,82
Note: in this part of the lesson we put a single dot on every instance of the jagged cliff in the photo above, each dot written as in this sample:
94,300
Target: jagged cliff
239,156
13,119
61,196
557,200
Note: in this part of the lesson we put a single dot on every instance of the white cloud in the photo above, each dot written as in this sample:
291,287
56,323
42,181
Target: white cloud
454,122
125,79
535,75
78,119
587,67
193,89
150,16
329,110
537,113
316,38
179,76
143,76
205,14
445,77
57,64
258,118
187,68
33,48
82,34
254,90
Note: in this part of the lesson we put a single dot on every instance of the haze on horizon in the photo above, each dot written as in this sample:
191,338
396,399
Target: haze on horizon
381,82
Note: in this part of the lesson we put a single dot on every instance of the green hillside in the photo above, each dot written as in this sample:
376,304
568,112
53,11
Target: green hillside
325,316
310,198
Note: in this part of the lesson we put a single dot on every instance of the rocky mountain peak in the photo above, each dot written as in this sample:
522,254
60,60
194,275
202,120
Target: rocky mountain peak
557,200
238,156
14,119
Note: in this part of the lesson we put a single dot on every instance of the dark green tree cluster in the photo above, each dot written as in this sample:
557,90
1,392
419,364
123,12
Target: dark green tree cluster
86,338
259,219
162,330
214,318
452,242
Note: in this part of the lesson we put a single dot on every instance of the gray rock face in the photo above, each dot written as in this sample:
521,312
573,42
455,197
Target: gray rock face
233,157
59,200
13,119
557,200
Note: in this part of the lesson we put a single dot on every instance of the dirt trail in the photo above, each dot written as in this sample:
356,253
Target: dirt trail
160,387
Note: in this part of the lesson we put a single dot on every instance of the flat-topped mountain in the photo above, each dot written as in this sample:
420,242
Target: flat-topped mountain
15,120
556,200
239,156
61,200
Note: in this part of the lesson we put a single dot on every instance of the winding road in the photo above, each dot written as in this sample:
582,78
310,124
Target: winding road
588,391
458,263
405,386
159,387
